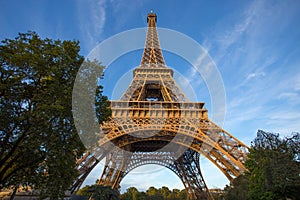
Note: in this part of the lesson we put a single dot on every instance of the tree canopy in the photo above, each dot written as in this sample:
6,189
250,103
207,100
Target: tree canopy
132,193
152,193
273,169
39,143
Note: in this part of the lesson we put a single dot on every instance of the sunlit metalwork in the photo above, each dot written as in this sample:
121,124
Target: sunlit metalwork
154,123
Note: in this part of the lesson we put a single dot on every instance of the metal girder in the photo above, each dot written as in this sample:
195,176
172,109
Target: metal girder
152,51
161,77
84,166
228,147
154,123
189,168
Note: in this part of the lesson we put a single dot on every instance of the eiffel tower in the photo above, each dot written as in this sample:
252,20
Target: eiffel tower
155,123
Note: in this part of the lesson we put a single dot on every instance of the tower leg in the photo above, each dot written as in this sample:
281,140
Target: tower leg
188,167
115,165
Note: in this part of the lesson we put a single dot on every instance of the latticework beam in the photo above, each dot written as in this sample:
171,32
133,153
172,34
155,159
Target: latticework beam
154,123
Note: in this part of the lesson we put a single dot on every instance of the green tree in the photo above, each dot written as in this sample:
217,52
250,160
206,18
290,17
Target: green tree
239,189
174,194
153,194
182,195
273,170
100,192
85,191
165,192
142,196
131,194
39,143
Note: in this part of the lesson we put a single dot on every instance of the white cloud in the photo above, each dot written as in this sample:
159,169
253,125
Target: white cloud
92,17
192,75
255,75
297,83
246,115
249,78
285,116
232,35
289,91
124,11
283,121
288,95
264,83
229,31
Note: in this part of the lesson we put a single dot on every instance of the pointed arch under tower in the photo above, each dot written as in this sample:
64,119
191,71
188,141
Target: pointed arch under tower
155,123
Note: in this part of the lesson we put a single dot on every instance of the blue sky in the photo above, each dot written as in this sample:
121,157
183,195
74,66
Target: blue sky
255,45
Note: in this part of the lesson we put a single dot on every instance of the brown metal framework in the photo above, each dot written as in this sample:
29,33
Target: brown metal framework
154,123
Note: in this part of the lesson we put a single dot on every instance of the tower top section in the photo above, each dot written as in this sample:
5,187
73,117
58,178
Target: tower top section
152,55
151,19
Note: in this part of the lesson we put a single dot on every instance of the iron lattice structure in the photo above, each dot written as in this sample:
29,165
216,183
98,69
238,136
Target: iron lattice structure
155,123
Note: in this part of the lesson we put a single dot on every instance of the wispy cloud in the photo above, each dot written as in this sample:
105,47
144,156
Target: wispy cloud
283,121
290,92
255,75
260,70
124,11
289,95
250,77
268,108
297,83
231,36
227,34
92,18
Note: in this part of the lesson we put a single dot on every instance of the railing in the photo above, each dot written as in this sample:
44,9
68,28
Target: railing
158,109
